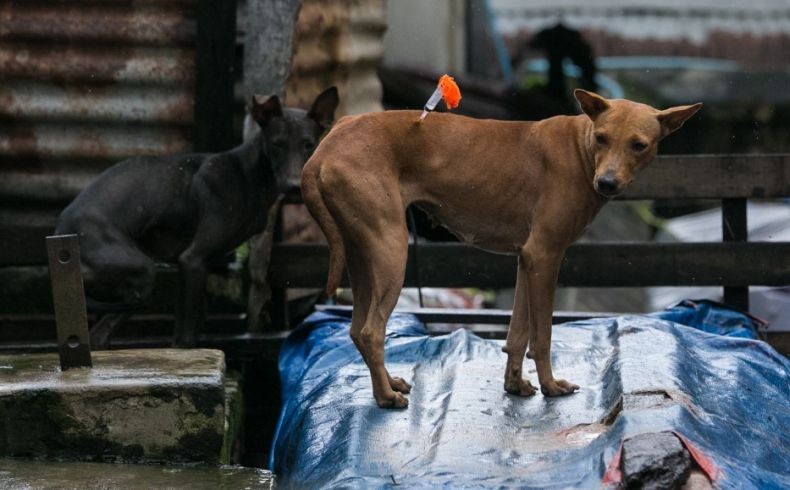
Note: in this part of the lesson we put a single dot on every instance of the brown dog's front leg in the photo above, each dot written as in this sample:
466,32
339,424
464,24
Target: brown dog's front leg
543,267
386,390
518,338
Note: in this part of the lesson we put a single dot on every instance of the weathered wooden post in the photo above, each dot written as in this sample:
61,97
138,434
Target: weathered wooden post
734,229
216,45
267,47
267,61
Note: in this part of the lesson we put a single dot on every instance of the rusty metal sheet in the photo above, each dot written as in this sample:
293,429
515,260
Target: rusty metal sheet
68,297
90,140
52,187
96,64
28,100
73,21
84,84
49,187
338,42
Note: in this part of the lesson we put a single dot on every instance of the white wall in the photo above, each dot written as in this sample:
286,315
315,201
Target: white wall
426,33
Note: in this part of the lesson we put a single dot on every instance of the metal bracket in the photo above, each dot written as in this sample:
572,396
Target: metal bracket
68,296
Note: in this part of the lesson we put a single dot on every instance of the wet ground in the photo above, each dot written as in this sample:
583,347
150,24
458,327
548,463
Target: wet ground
19,474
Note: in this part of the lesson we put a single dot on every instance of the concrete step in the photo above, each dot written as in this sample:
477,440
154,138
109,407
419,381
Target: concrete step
152,405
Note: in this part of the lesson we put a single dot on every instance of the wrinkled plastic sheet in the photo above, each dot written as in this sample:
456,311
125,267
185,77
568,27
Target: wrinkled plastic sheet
726,395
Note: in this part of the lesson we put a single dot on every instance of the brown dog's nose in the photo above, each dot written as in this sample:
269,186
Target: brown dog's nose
607,185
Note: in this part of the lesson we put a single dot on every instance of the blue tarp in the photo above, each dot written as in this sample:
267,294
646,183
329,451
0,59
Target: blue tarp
727,395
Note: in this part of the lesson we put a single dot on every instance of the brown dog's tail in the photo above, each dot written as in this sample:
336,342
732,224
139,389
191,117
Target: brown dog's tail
311,195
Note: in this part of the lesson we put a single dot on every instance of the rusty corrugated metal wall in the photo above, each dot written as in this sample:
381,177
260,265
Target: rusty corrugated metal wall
84,84
338,42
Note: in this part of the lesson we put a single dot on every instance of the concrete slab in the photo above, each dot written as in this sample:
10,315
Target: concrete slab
152,405
234,419
19,475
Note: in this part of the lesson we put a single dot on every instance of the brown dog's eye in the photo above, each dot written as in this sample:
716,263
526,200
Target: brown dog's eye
601,139
638,146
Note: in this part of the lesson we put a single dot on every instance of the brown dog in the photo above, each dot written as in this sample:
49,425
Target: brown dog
522,188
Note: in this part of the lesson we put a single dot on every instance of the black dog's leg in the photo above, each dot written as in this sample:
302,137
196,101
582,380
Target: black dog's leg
103,329
100,332
190,311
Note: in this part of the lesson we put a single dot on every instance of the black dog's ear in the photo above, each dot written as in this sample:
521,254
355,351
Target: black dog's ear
592,104
264,108
323,109
673,118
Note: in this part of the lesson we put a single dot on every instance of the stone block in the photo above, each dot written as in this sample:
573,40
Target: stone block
152,405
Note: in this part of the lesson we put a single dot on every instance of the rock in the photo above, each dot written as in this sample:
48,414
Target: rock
153,405
655,461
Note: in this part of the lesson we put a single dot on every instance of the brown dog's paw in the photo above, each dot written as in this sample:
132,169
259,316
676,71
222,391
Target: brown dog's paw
396,400
558,387
399,384
521,387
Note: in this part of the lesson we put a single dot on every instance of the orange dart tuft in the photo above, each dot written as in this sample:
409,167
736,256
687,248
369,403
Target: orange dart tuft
450,91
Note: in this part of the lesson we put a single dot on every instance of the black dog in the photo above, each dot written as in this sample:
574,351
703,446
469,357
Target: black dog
189,209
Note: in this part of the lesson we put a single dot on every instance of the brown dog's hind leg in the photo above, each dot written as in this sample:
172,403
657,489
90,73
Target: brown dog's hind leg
542,268
365,215
376,271
518,338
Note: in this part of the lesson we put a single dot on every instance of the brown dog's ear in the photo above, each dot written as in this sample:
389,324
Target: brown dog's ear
323,109
592,104
264,108
673,118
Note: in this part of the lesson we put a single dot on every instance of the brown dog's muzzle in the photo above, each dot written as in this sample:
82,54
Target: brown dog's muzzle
607,185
